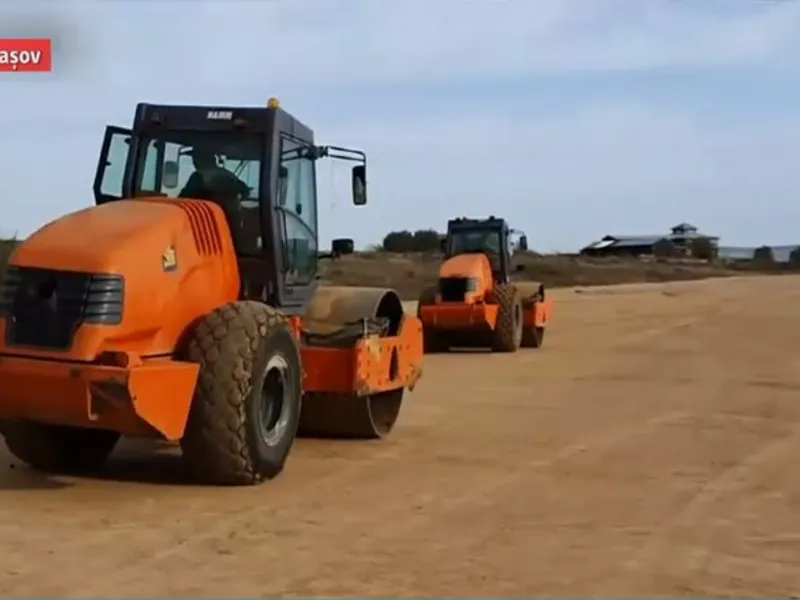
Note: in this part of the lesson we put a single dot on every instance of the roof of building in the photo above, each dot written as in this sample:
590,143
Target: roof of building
689,231
600,244
691,235
635,239
625,241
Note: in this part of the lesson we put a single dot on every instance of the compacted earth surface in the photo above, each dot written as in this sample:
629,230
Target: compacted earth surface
649,449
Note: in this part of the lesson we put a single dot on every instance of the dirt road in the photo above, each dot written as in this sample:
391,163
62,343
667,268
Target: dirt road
649,449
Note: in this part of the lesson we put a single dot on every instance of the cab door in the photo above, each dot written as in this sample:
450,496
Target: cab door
109,177
296,211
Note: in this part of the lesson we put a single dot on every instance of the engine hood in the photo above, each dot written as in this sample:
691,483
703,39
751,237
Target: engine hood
175,257
473,265
97,239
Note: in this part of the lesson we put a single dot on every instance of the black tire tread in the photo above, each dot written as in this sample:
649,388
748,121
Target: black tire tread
507,297
225,344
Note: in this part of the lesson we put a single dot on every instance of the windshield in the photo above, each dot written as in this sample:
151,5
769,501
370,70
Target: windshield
209,165
463,242
223,167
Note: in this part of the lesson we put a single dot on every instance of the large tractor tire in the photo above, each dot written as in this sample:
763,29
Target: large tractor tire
507,335
57,448
244,416
434,342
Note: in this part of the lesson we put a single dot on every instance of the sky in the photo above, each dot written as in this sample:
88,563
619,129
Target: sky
573,119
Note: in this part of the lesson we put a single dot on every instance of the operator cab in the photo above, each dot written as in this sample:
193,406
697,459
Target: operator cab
491,237
258,164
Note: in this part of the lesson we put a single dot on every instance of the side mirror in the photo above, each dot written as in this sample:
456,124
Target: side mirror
359,184
523,243
342,246
169,174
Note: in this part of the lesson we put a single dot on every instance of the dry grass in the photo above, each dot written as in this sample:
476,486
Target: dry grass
410,273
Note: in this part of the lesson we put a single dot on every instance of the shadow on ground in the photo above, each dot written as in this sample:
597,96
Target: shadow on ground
135,461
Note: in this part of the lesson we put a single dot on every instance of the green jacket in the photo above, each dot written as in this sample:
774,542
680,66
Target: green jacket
217,185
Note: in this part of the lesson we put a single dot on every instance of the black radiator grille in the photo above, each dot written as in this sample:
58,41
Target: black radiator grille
453,289
45,308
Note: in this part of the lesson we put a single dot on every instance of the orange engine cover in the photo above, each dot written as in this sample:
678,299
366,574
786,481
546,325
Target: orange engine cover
175,257
470,266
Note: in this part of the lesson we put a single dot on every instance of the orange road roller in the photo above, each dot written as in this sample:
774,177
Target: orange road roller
475,303
185,306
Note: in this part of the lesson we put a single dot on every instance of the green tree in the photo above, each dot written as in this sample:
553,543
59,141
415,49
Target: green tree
426,240
794,259
399,241
703,248
6,248
764,257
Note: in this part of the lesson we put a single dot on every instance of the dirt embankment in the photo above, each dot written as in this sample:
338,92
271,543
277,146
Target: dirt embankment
410,273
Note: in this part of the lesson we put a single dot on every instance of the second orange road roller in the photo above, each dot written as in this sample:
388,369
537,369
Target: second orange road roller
474,302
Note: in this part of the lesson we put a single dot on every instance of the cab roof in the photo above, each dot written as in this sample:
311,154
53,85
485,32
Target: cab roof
464,223
256,119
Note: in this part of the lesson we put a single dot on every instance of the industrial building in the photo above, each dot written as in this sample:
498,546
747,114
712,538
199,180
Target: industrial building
684,239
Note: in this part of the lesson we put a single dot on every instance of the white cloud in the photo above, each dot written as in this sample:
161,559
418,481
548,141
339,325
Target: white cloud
368,42
567,175
623,168
302,44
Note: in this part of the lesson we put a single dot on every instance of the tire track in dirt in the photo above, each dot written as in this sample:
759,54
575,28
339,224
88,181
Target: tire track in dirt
731,481
458,495
186,536
356,519
452,493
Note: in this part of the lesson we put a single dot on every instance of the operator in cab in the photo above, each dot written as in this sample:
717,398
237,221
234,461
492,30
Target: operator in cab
212,182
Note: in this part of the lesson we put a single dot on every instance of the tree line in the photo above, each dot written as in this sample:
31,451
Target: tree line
422,240
429,240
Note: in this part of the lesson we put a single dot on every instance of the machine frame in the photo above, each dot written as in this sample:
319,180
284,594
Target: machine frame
214,345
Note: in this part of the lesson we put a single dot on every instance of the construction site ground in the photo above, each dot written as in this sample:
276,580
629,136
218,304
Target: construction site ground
649,449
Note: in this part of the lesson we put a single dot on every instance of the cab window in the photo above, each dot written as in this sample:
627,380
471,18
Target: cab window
113,171
224,168
474,241
297,207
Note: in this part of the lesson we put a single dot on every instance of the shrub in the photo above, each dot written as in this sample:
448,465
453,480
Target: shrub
399,241
423,240
703,249
6,247
794,259
764,257
426,240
